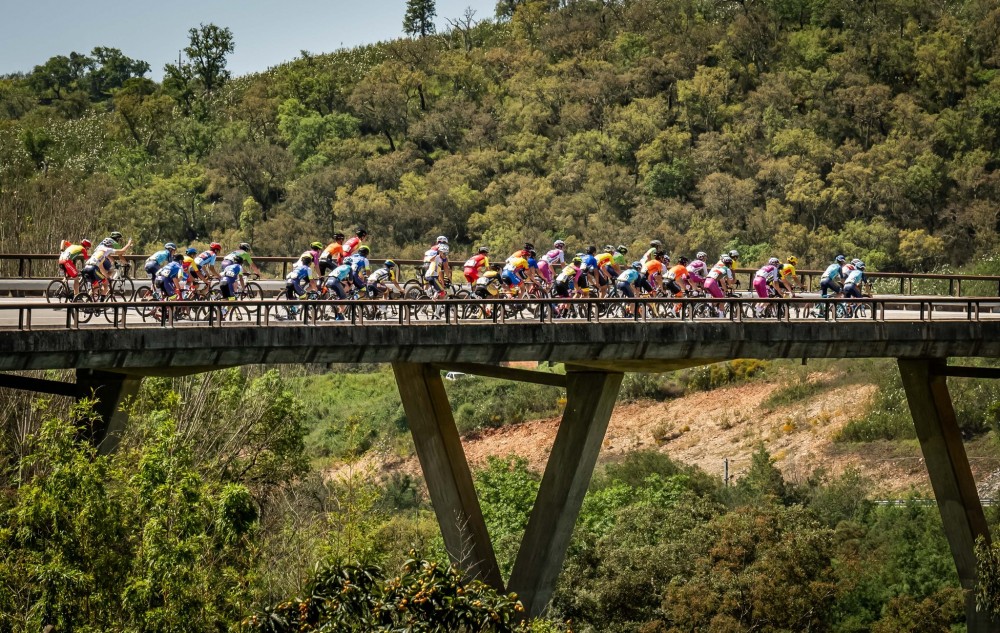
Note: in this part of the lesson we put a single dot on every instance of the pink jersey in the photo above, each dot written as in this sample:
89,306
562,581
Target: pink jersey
768,272
555,256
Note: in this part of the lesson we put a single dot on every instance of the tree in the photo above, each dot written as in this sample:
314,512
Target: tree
419,18
206,66
111,70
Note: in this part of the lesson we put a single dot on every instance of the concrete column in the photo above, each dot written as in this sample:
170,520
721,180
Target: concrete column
446,471
590,398
950,475
111,390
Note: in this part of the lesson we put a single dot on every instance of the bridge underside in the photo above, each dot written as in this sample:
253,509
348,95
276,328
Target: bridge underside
596,356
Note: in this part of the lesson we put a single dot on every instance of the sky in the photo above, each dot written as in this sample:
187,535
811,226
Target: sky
266,32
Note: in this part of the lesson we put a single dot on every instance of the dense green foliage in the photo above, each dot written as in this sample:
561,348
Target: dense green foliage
801,127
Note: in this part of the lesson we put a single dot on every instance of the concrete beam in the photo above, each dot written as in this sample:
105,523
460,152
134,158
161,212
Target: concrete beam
505,373
446,471
951,477
40,385
590,398
110,390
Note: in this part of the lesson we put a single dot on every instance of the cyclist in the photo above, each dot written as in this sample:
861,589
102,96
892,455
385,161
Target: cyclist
675,280
619,257
95,269
335,279
654,247
651,272
787,274
487,285
720,277
590,266
244,253
333,255
550,259
72,257
569,277
359,267
607,270
626,279
159,259
187,263
766,276
515,272
229,278
735,254
852,285
204,264
435,252
314,251
378,281
352,245
523,252
832,276
169,278
698,270
434,274
300,274
473,265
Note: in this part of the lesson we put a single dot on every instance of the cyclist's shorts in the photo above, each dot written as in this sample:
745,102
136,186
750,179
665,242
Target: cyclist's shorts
511,278
760,285
336,287
433,282
609,273
326,265
226,289
167,285
471,274
673,288
293,290
69,268
852,290
696,279
643,284
712,288
107,264
91,274
625,289
561,289
374,291
545,270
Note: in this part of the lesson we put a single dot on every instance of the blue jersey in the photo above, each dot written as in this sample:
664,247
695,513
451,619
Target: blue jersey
205,259
300,272
856,277
832,272
159,258
358,263
630,276
532,264
171,271
340,272
589,262
231,273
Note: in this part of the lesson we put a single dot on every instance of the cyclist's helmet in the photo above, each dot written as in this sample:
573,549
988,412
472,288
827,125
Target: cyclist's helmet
170,246
774,261
443,249
108,242
306,259
855,262
656,244
727,260
840,259
389,263
578,259
609,249
637,265
735,254
364,250
559,244
666,257
178,257
702,255
442,239
528,246
192,250
116,235
215,246
317,245
683,261
591,250
860,265
338,236
793,260
362,232
532,255
244,247
484,250
622,249
85,243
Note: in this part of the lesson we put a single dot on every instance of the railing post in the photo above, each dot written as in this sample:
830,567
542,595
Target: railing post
902,285
951,287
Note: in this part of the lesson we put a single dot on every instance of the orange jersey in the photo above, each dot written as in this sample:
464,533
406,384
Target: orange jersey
652,267
679,271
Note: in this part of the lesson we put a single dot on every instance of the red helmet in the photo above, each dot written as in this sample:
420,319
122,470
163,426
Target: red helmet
215,246
85,243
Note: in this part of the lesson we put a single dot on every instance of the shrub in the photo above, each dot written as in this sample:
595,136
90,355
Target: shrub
721,374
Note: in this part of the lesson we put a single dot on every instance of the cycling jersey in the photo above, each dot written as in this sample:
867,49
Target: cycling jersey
589,263
101,255
652,268
476,261
333,252
188,264
555,256
648,255
516,263
434,265
787,270
205,259
358,263
677,272
832,272
381,276
341,272
619,259
855,277
569,273
231,273
698,267
630,276
74,251
231,257
351,246
768,273
300,273
720,270
172,270
604,259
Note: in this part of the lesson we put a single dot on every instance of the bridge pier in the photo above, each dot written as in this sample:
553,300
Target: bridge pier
926,387
590,398
110,390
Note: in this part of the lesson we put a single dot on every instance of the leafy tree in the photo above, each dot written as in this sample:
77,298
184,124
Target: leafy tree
419,18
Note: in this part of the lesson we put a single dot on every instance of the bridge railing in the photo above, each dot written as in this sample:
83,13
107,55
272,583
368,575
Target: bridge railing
457,312
44,266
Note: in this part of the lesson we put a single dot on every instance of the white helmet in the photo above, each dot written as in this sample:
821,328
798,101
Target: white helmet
774,261
559,244
735,254
860,265
702,255
442,239
727,260
443,249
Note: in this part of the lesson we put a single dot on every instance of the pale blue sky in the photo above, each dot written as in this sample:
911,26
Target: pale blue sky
266,32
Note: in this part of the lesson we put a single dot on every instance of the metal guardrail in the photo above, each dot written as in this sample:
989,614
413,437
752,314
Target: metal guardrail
27,265
266,313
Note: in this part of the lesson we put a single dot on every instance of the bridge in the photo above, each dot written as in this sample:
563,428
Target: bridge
597,345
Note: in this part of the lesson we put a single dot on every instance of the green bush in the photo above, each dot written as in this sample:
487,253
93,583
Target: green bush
718,375
658,387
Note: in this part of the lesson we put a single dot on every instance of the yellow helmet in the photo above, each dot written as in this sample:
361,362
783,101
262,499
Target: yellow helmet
793,260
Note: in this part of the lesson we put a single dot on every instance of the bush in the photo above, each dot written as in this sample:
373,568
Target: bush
657,387
718,375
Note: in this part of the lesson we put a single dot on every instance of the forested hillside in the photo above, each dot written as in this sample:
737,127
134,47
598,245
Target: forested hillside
807,126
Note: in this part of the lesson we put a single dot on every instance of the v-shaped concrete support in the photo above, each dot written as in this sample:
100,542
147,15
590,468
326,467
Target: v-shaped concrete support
951,477
591,396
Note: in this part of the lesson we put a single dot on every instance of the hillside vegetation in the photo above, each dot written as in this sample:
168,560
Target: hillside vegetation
795,126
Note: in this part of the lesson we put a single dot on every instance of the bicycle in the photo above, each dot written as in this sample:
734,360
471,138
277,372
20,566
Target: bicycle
92,296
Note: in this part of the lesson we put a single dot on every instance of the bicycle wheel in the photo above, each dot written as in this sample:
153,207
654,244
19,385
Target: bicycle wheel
84,315
58,292
253,291
147,296
110,312
124,286
283,310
